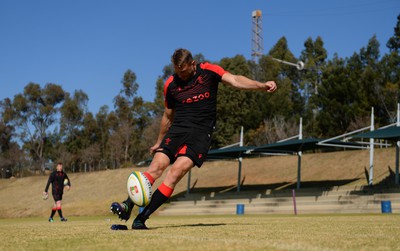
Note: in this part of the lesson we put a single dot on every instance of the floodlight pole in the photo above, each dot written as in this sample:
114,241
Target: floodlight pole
371,152
240,160
299,65
188,184
299,155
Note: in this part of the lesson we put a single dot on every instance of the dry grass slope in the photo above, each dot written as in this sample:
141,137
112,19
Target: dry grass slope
92,193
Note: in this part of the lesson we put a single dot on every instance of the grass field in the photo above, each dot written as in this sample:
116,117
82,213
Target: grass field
93,192
230,232
24,226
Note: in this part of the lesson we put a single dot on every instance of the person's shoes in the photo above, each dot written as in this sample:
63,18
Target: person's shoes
51,219
122,210
138,224
63,219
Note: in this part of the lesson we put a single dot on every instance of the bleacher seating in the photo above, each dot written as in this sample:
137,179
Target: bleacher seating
339,199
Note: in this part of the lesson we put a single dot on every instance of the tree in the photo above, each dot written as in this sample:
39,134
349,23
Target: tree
103,124
389,67
314,57
33,112
371,78
340,99
229,117
281,109
394,42
6,132
73,111
123,109
133,115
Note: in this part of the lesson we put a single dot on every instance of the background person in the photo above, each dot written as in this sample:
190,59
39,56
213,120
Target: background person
58,180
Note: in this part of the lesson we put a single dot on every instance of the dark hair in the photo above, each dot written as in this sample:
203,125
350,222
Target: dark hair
181,56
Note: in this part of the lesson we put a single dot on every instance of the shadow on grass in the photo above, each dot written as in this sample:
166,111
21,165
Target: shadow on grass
191,225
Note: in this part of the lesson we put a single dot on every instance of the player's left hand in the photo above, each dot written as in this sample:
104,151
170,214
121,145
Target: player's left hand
271,86
67,187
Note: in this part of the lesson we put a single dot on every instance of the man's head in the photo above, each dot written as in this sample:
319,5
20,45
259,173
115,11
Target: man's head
59,167
184,65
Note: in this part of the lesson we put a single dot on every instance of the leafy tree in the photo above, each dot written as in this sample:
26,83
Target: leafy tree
132,115
6,132
314,57
33,112
123,109
159,97
286,104
286,101
394,42
229,117
340,98
103,124
73,112
389,67
371,78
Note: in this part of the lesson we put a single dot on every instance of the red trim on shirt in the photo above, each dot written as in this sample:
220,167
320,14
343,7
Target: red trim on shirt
169,81
213,67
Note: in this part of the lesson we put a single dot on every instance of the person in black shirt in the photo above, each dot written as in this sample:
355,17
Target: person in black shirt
190,96
58,180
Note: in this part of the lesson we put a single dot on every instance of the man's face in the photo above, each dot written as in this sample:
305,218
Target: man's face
59,167
186,71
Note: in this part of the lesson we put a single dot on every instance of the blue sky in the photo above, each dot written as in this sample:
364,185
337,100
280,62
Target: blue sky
89,44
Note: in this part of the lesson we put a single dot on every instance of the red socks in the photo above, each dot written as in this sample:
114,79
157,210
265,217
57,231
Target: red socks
149,177
165,190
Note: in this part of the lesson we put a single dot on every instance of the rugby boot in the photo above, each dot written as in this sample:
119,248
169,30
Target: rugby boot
139,224
122,210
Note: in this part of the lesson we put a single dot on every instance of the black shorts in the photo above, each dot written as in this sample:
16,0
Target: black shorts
194,145
57,196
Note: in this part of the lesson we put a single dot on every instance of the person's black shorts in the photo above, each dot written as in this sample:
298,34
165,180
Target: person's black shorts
194,145
57,196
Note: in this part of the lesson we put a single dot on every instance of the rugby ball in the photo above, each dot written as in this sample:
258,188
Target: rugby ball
139,188
65,182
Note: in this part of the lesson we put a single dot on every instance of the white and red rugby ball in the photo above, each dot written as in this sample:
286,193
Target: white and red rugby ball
139,188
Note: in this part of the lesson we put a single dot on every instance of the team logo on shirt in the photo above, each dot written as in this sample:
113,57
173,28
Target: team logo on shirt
200,80
167,140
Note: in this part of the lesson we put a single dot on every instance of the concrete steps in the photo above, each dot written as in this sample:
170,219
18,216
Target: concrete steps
315,200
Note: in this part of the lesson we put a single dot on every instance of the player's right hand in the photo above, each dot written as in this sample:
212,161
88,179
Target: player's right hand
271,86
154,148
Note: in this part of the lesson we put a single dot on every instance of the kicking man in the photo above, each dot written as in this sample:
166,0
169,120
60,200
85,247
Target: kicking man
190,96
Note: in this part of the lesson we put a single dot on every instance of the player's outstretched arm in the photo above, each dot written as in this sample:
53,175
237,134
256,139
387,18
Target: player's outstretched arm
242,82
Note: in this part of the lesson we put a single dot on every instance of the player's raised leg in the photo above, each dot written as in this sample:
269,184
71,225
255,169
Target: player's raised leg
159,163
163,193
124,209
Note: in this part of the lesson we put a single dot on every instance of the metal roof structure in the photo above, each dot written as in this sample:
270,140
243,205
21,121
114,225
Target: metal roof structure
388,133
288,147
